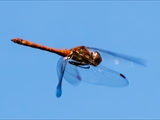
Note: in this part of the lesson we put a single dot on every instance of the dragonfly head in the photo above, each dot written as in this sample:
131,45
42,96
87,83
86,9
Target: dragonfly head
96,58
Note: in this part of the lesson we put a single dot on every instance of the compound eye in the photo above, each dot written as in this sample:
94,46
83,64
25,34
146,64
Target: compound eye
96,58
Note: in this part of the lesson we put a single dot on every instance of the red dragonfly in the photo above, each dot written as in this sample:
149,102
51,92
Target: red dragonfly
82,63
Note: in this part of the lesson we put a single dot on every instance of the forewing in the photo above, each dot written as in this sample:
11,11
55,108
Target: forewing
60,71
99,75
71,73
117,58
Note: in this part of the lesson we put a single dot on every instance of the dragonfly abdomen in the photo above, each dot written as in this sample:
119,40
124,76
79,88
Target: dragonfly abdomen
62,52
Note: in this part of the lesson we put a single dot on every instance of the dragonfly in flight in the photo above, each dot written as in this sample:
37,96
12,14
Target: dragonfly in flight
83,63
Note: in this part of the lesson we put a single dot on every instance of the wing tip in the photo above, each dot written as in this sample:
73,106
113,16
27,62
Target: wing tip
58,92
122,76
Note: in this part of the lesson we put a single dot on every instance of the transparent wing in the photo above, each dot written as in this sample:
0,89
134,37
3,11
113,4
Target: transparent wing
60,71
117,58
99,75
71,74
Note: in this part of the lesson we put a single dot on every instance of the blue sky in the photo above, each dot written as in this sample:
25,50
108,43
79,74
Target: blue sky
28,77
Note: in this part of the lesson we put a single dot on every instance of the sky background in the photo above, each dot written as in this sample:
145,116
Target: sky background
28,77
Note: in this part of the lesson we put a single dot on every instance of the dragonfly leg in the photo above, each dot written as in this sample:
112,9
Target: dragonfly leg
78,64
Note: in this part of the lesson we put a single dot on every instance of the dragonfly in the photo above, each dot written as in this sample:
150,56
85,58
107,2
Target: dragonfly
83,63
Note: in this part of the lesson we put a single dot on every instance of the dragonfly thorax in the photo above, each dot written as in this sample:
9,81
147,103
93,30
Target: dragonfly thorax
84,56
